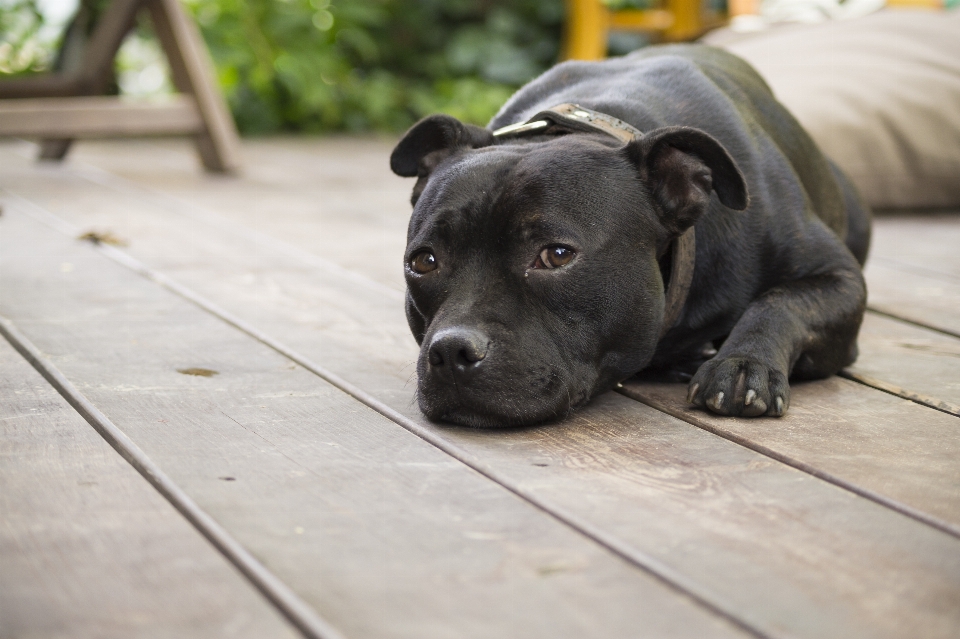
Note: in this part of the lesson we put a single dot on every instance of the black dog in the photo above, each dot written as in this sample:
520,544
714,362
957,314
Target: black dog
538,255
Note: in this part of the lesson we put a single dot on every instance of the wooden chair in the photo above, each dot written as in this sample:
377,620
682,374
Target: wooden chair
589,23
59,107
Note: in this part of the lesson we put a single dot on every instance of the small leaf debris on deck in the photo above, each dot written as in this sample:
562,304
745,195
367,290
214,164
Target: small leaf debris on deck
199,372
103,237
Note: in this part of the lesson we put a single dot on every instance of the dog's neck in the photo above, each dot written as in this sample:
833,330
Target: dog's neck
573,118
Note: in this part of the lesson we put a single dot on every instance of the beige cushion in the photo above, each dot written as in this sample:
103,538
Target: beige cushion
879,94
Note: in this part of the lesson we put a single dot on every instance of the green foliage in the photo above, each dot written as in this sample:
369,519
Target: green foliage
20,48
317,65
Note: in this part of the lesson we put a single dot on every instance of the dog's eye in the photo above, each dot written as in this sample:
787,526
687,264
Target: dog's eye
423,262
554,257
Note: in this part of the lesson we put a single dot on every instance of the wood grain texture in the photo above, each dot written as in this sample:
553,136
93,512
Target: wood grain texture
917,361
887,445
88,548
925,240
914,296
914,269
385,535
792,554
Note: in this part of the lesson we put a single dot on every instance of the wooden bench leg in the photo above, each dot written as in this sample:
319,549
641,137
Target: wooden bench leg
193,72
91,60
54,150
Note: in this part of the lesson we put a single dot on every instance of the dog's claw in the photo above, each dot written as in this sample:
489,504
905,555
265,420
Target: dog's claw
717,401
740,387
692,393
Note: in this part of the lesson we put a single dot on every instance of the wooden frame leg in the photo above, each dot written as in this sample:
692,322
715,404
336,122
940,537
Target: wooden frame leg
54,149
95,68
193,72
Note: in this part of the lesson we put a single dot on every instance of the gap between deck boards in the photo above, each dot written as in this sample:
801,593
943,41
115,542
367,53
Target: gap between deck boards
75,563
893,389
704,424
278,593
912,322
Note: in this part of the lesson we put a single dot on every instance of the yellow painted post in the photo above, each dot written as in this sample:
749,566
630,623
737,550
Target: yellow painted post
687,19
587,24
641,19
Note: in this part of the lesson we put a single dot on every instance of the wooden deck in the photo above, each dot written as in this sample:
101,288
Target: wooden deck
245,354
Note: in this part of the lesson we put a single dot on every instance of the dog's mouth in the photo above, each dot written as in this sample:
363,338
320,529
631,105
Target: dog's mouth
484,418
490,405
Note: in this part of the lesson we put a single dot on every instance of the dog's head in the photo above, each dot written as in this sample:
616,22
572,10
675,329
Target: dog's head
532,270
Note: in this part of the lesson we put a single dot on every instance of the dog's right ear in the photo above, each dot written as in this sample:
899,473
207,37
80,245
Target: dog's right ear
683,166
429,142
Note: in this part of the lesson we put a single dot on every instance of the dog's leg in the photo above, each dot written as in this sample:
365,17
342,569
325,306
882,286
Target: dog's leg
806,328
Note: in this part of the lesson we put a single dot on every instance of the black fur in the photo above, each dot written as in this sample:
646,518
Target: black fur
781,236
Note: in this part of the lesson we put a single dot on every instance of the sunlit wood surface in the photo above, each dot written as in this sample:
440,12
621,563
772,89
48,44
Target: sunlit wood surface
246,335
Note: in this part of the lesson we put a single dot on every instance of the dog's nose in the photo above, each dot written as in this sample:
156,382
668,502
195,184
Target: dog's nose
461,350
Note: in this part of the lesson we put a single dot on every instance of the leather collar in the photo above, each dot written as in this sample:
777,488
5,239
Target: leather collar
573,118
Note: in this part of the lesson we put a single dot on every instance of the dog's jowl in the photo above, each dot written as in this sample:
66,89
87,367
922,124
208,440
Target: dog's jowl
659,214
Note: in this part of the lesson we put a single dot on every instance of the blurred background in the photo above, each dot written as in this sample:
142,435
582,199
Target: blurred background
332,65
875,82
326,65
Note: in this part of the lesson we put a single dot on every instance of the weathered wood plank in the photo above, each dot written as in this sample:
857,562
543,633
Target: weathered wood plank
914,296
910,360
338,200
914,269
89,548
792,554
925,240
362,519
99,116
873,441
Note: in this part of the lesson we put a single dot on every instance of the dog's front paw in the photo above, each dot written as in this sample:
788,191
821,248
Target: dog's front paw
740,387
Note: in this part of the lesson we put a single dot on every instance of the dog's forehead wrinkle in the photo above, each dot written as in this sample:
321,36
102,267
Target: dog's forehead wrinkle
468,185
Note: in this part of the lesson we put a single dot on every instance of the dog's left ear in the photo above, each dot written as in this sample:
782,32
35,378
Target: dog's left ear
682,165
431,140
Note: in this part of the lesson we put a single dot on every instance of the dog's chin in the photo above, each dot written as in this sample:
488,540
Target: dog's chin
536,411
478,420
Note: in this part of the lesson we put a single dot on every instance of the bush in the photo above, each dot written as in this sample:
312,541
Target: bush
22,51
359,65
